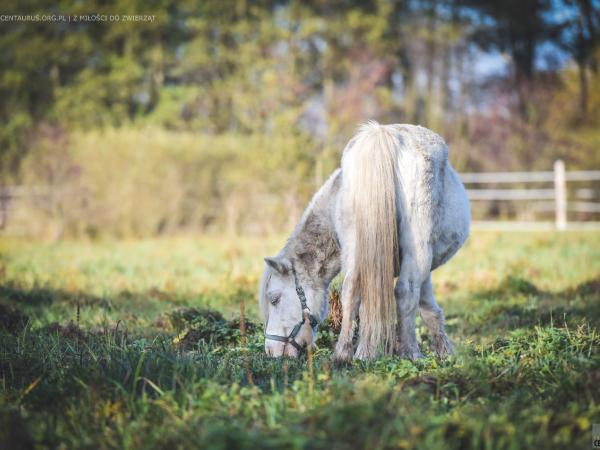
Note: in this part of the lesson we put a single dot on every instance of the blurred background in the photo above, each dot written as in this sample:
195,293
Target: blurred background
227,115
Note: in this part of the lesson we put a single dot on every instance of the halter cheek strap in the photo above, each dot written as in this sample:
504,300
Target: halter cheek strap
290,339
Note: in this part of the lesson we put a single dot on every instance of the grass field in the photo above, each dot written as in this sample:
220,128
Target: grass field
119,344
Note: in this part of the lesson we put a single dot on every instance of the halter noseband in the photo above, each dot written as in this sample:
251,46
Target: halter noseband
311,318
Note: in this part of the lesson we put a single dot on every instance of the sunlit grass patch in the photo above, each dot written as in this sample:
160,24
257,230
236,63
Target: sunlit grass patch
138,344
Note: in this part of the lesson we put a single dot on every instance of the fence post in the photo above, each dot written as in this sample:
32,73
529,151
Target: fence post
3,207
560,195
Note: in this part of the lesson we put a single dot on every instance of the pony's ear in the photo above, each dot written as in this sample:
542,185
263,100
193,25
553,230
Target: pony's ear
279,263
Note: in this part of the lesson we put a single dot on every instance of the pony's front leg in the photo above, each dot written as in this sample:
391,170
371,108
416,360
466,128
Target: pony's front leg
344,348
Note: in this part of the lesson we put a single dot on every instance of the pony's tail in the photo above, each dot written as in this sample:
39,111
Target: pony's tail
369,178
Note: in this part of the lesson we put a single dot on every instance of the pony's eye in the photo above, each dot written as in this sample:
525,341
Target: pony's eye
275,299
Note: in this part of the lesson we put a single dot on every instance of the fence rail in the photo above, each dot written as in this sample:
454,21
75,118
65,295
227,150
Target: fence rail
527,177
510,194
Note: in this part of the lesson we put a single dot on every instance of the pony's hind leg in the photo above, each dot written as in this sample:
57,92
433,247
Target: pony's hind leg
413,272
433,317
349,299
407,295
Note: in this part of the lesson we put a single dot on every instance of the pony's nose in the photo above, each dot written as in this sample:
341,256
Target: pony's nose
276,349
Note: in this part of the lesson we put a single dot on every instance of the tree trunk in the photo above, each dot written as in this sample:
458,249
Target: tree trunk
583,90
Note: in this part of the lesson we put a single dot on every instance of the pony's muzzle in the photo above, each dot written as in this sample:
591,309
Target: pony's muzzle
276,349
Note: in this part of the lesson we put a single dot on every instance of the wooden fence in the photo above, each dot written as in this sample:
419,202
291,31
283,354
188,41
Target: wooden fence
551,197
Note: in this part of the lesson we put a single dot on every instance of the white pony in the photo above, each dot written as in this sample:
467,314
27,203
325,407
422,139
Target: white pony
396,208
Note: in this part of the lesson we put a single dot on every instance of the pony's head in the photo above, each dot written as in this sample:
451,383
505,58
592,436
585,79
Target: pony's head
290,326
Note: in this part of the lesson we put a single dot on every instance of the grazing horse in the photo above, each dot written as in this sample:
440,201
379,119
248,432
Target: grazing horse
395,208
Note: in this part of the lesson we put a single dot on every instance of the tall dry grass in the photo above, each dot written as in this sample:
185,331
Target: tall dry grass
143,182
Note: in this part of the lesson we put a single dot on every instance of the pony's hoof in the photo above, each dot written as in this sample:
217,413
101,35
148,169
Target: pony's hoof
342,355
410,353
442,346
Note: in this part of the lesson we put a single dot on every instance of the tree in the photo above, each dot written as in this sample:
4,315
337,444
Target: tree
517,27
580,37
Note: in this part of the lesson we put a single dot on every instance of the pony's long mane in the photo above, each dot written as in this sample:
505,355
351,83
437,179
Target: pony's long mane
328,248
369,174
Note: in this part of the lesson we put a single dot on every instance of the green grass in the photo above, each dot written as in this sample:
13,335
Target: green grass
109,345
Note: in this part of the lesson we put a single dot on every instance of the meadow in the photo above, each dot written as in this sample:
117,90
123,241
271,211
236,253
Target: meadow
139,344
